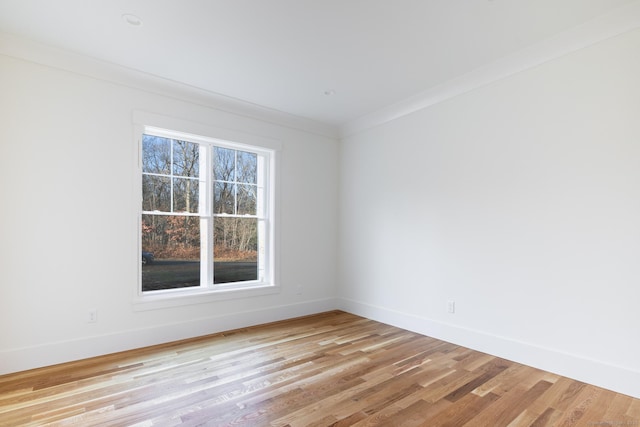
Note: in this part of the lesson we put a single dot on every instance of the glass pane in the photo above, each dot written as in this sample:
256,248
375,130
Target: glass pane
247,199
156,193
224,164
235,249
224,198
156,154
186,158
170,252
247,167
185,195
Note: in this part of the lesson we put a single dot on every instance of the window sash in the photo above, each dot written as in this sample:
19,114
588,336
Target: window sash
206,207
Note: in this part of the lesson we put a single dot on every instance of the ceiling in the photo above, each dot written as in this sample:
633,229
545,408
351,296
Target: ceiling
332,61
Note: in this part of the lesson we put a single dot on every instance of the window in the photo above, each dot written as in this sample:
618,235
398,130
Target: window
206,213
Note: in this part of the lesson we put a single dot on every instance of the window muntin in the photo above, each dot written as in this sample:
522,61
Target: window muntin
203,213
170,175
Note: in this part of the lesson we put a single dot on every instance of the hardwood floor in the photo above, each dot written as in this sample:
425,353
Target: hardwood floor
332,369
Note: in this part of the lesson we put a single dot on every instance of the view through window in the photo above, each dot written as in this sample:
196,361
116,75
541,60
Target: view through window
203,213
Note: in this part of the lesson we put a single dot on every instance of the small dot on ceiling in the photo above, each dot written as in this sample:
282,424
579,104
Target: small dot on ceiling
132,20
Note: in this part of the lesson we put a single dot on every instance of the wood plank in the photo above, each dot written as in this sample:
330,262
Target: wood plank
331,369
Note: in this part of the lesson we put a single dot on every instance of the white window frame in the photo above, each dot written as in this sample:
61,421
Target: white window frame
209,137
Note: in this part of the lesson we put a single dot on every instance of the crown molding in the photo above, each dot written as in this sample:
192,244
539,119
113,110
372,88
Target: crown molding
617,22
28,50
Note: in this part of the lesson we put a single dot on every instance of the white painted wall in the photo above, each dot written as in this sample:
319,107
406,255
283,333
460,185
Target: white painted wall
68,223
519,200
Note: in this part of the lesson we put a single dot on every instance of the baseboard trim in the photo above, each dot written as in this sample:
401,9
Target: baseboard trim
602,374
23,359
616,378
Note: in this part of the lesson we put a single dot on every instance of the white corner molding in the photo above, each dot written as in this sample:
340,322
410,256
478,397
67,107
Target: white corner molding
28,50
617,22
620,379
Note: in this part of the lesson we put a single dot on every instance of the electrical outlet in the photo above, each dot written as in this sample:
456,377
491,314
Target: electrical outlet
92,315
451,306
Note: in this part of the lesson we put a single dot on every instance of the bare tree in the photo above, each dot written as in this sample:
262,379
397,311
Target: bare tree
171,170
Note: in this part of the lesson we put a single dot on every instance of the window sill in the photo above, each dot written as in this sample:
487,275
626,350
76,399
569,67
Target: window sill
176,298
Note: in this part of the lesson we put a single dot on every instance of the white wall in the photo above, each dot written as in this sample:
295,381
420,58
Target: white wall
68,225
519,200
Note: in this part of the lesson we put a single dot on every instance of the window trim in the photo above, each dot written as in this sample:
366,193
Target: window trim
197,132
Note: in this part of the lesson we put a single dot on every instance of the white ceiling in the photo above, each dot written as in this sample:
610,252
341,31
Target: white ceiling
285,54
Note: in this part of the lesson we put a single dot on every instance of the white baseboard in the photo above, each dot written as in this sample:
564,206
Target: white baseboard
616,378
619,379
23,359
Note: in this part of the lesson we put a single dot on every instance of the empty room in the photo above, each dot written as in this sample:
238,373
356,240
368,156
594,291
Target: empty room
320,213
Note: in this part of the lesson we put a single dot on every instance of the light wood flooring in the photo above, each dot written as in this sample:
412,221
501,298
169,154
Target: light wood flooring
331,369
